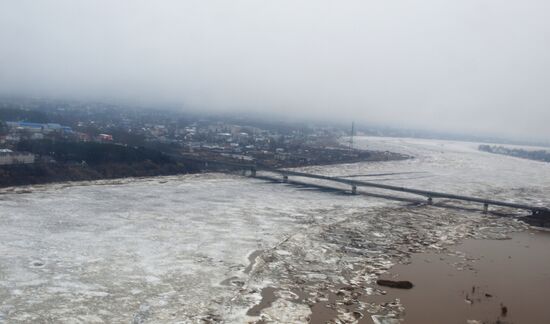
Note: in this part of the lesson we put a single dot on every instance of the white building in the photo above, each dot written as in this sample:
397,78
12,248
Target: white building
10,157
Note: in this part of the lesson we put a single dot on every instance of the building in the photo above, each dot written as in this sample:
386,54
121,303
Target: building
8,157
39,127
105,137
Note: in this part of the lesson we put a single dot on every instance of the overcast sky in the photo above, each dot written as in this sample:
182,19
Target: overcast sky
471,66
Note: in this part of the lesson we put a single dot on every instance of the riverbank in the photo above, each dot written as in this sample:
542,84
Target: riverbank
43,173
60,161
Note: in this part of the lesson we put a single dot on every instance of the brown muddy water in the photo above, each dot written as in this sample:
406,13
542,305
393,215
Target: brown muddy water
479,281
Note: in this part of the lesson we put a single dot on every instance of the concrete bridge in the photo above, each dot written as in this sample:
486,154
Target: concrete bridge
429,195
539,213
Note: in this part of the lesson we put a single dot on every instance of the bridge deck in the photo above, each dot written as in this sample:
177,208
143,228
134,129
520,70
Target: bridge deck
357,183
425,193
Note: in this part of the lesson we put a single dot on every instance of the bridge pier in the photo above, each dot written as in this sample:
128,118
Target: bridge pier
485,208
354,190
430,201
253,172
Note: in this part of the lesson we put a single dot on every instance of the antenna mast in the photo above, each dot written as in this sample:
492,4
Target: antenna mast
351,136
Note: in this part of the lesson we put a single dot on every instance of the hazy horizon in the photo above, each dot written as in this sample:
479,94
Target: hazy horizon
472,67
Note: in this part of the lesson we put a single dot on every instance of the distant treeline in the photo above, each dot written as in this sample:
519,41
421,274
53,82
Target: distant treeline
78,161
91,153
39,173
539,155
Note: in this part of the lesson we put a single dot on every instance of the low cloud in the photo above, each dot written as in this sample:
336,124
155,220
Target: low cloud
473,66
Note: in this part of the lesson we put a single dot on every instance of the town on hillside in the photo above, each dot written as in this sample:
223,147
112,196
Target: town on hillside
91,141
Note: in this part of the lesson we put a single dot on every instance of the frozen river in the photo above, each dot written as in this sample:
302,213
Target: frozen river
198,248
